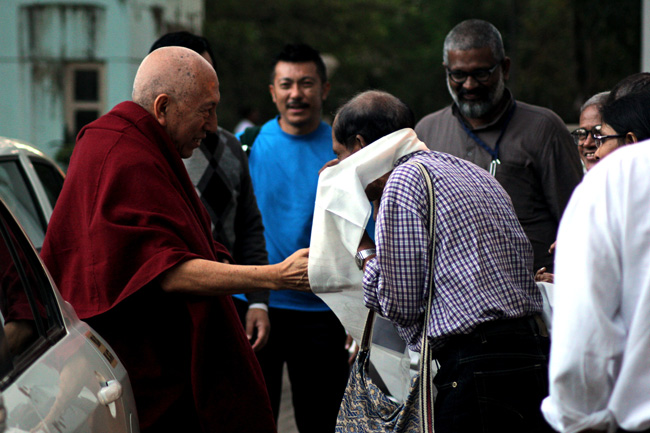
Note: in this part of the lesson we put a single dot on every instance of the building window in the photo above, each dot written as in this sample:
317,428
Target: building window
84,95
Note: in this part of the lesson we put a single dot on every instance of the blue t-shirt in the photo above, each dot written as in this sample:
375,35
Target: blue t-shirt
284,170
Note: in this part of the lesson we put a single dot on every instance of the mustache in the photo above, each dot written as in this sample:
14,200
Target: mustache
477,92
297,104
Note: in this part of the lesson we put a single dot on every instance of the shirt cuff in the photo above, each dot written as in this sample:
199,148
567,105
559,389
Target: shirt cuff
259,306
371,283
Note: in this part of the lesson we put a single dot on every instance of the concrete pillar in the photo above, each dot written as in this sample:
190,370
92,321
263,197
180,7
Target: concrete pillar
645,36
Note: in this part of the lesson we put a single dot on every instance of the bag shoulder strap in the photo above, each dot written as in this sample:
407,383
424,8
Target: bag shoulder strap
426,384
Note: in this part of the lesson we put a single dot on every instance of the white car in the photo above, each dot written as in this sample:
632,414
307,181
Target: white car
56,373
30,183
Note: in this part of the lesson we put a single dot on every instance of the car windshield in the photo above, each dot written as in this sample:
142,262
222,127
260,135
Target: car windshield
21,200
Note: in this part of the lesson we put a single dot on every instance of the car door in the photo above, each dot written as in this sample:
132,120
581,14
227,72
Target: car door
30,184
56,373
17,190
49,178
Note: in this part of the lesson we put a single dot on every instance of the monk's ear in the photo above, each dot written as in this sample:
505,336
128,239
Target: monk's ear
161,108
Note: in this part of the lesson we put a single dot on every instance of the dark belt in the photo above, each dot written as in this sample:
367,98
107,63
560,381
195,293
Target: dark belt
534,324
530,325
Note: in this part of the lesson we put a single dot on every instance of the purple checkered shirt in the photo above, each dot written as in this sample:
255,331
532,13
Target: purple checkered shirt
483,259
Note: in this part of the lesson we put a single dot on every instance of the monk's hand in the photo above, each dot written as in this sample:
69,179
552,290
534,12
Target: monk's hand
293,271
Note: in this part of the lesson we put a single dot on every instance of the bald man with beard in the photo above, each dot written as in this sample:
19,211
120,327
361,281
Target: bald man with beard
130,247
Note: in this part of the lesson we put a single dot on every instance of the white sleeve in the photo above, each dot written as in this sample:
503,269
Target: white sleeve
589,335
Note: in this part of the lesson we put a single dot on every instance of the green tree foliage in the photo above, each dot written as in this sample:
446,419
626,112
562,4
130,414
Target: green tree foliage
563,51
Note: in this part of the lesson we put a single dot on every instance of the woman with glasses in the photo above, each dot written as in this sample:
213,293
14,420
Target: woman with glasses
624,121
583,137
589,125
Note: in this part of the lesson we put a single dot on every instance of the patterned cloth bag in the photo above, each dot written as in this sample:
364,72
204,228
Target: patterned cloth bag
365,407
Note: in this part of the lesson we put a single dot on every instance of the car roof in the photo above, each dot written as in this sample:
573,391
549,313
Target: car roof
12,146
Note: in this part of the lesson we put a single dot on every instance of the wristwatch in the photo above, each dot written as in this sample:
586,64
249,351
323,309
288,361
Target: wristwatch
363,255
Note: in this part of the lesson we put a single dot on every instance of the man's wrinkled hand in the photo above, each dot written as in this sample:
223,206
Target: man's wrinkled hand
293,271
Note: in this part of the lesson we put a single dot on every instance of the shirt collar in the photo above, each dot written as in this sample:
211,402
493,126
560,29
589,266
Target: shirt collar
405,158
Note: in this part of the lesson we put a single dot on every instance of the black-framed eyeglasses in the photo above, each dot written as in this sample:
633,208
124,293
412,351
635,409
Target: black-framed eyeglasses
580,135
600,139
480,75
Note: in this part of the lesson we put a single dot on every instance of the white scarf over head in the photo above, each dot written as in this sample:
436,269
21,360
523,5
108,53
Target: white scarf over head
341,213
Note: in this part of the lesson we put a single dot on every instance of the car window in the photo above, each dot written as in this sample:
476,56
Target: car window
20,198
29,312
50,177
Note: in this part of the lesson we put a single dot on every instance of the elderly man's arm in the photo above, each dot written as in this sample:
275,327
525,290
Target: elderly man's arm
209,278
394,279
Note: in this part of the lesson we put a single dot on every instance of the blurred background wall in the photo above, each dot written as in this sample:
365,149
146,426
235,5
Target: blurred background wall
65,62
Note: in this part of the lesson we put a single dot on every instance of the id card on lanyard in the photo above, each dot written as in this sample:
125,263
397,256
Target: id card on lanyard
494,153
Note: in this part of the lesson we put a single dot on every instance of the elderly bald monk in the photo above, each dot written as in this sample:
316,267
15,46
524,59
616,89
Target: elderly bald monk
130,247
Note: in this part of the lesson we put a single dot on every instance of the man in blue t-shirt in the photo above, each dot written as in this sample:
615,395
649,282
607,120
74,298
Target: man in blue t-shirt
284,162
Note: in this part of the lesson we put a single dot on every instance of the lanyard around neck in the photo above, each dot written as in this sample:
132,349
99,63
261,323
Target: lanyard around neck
493,152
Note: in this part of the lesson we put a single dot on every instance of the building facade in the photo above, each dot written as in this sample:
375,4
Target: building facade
63,63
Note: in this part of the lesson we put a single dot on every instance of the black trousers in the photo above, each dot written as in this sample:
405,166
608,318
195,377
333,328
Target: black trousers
312,344
494,379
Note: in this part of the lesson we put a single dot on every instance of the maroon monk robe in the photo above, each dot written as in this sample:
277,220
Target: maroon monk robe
128,212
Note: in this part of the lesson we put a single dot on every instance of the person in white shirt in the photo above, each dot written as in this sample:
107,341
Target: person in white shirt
600,353
249,117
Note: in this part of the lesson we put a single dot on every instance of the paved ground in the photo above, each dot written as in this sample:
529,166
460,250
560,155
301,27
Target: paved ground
286,421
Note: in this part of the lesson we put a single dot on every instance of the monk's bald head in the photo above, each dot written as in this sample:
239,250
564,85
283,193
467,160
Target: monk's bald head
180,89
176,71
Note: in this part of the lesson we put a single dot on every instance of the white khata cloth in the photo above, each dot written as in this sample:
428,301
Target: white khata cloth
341,213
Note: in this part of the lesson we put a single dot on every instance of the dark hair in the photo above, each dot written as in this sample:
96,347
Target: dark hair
629,113
246,111
634,83
300,53
371,114
472,34
187,40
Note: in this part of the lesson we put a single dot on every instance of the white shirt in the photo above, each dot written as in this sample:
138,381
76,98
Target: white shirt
600,352
242,125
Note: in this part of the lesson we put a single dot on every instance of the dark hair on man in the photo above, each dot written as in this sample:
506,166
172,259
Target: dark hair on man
186,40
474,34
300,53
629,113
634,83
371,114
